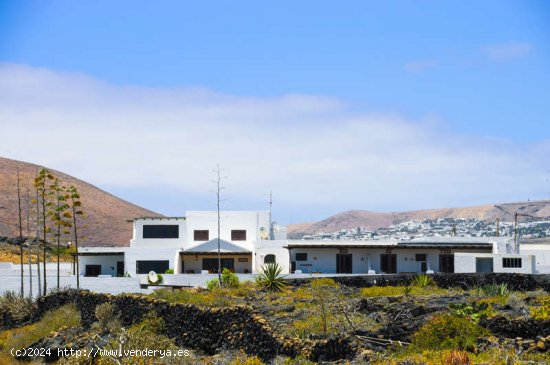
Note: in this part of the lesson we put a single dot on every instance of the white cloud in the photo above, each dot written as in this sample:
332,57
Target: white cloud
418,66
507,50
308,149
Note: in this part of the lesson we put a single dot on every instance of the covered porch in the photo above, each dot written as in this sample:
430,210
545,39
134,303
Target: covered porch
204,258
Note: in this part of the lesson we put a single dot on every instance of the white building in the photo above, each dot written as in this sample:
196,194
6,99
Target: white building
248,240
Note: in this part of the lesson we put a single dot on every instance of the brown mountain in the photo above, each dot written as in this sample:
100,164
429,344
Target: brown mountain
106,218
374,220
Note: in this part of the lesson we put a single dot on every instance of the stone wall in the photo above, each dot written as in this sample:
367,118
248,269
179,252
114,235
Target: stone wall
210,330
466,281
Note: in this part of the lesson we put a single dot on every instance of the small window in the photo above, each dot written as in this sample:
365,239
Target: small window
269,259
161,231
301,257
238,235
242,259
511,262
201,235
420,257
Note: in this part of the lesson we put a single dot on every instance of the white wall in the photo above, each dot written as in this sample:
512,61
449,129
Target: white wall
542,256
139,241
466,263
264,248
108,263
229,220
134,254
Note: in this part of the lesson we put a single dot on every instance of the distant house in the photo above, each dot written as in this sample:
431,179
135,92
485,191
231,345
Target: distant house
248,240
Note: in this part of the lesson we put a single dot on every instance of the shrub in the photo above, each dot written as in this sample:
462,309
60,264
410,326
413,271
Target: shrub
146,334
422,280
14,309
243,359
473,310
107,317
270,277
448,332
496,290
229,280
542,311
169,271
456,358
65,316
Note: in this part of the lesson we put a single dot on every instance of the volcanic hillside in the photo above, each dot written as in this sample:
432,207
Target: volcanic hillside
106,218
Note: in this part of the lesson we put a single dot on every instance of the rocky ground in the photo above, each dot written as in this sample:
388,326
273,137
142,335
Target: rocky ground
318,323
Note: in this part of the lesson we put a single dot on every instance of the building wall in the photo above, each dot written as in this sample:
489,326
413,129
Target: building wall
134,254
542,256
466,263
108,263
161,243
264,248
195,263
249,221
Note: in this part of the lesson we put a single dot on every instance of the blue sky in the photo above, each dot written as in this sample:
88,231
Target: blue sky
467,72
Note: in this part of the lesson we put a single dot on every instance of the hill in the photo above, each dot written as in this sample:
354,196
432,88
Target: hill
106,220
374,220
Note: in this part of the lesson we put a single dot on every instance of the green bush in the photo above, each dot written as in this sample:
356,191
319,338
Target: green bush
169,271
496,290
473,311
448,332
271,278
229,280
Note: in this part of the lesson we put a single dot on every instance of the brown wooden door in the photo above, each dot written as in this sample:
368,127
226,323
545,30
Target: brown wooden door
388,263
447,263
344,263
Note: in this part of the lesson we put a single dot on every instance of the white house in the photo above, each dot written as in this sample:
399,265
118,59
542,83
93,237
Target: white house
248,239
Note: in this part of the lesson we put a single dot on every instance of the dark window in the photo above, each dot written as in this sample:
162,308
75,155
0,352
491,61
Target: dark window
301,257
201,235
511,262
93,270
158,266
420,257
269,259
161,231
238,235
212,264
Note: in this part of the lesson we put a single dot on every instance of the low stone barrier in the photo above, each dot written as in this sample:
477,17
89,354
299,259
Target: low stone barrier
524,282
210,330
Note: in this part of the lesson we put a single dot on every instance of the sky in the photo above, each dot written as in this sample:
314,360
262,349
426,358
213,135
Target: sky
332,106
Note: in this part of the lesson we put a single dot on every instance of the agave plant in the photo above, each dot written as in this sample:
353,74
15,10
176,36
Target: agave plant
270,277
422,280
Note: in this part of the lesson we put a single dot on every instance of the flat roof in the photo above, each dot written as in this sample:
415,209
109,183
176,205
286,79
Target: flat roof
97,251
